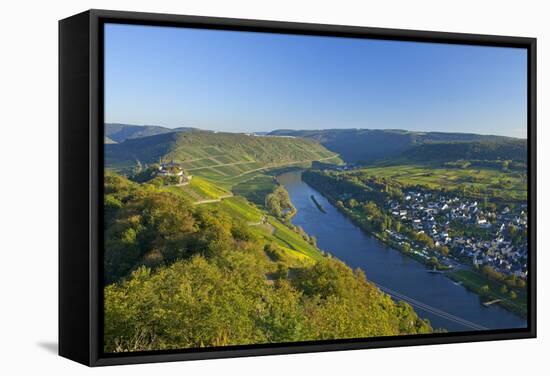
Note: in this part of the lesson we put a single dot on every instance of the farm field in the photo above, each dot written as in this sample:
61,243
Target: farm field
223,157
255,188
232,175
287,238
267,227
199,189
292,246
239,208
507,185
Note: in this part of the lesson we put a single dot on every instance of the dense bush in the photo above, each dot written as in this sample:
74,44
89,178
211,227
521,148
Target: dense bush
278,203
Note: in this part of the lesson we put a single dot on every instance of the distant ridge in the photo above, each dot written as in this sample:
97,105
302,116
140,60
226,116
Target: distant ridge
353,145
368,145
121,132
510,149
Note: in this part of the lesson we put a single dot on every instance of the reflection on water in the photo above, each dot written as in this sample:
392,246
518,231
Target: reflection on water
390,268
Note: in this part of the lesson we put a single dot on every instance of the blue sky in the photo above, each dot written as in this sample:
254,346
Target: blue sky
242,82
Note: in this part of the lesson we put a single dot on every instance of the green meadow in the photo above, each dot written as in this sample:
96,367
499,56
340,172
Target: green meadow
495,182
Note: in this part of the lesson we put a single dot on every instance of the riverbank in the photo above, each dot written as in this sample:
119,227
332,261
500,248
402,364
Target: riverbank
389,268
470,279
475,281
361,224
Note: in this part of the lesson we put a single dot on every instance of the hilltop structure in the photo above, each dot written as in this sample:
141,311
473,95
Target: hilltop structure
174,169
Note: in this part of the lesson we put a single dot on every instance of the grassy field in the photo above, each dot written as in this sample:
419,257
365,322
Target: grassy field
294,247
287,238
206,189
510,185
256,188
229,176
250,193
473,280
199,189
239,207
217,156
291,242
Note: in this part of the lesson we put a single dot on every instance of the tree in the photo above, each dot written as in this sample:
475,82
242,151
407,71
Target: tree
397,226
424,239
503,289
434,261
511,281
273,205
387,222
371,210
484,290
278,203
491,206
352,203
491,273
444,250
513,295
506,165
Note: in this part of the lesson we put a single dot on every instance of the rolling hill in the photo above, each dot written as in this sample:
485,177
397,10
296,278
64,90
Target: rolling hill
121,132
227,158
368,145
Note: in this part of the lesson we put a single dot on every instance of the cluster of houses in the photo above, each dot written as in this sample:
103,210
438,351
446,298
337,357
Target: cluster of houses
491,244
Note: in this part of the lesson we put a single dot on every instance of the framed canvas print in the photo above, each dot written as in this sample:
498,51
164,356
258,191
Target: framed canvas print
239,187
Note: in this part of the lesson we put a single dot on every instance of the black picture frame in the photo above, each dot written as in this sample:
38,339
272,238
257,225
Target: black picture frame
81,184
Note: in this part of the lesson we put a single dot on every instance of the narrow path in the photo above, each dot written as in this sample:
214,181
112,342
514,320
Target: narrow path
263,221
202,158
210,200
275,165
221,165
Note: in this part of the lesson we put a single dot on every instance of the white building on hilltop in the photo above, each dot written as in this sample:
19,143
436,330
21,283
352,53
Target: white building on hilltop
174,169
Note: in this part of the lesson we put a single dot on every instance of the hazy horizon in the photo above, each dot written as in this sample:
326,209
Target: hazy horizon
299,129
244,82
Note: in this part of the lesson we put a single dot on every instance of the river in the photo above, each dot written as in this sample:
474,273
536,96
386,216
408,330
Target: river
435,297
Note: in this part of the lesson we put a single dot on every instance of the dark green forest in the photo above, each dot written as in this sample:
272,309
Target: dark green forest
513,150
